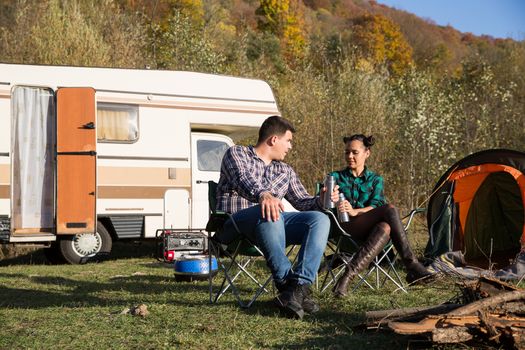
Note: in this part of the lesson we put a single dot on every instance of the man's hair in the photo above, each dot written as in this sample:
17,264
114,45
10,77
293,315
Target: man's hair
274,125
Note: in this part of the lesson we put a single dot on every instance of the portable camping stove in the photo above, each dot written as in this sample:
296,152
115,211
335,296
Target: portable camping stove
172,243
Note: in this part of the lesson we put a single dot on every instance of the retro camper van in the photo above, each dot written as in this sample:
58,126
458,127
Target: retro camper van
91,155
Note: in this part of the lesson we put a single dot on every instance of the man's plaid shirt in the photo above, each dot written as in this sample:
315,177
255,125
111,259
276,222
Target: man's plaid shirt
244,177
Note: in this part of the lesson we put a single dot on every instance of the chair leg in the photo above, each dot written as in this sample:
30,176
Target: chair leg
331,276
262,287
241,268
387,276
231,271
391,268
330,271
376,268
227,280
214,250
259,291
230,280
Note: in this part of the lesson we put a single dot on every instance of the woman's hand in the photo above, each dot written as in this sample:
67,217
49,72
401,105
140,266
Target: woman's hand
345,206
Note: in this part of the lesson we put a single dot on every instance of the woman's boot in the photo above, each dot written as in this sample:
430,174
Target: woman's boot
416,272
362,258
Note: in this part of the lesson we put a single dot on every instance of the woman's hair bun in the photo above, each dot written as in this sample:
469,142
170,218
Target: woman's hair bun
368,141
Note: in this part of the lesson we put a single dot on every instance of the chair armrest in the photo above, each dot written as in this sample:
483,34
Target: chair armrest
215,225
411,215
334,223
216,221
339,234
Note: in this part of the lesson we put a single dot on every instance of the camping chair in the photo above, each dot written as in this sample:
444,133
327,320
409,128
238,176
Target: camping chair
343,246
234,255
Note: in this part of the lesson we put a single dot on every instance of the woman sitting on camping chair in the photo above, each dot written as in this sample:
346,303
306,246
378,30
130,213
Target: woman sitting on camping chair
371,220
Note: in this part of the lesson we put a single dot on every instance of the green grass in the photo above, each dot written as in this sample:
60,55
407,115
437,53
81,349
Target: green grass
79,307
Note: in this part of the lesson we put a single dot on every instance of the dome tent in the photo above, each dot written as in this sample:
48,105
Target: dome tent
478,207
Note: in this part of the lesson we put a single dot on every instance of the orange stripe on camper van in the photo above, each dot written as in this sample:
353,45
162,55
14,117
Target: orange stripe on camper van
468,181
5,192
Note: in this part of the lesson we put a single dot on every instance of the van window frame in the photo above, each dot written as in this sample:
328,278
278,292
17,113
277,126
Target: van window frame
199,155
122,105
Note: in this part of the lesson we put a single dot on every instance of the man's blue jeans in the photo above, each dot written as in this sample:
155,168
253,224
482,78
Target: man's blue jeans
308,228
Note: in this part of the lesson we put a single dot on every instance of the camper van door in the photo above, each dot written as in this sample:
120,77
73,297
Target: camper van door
207,151
76,140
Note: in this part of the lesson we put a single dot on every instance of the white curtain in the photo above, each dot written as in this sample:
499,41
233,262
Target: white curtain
117,123
33,139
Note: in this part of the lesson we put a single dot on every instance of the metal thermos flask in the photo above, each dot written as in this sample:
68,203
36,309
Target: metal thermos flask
342,215
329,184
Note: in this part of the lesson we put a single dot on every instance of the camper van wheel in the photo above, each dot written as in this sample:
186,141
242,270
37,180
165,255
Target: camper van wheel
82,248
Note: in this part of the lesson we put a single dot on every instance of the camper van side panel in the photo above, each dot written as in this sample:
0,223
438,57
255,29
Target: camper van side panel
134,177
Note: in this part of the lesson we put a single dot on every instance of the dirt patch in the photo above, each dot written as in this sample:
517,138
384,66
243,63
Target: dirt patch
9,251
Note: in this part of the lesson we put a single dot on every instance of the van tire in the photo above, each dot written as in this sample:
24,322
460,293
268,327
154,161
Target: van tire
83,248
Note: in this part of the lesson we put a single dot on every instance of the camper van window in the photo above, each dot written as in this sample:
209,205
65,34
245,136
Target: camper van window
117,122
210,153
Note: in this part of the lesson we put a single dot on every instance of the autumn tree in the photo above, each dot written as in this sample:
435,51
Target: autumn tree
318,4
285,20
382,43
192,9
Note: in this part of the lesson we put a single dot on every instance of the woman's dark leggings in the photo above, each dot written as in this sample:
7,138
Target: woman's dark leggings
362,225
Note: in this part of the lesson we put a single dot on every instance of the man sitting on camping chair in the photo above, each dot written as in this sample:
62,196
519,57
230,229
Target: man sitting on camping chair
252,184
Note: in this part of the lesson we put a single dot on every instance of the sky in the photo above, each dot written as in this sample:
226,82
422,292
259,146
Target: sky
497,18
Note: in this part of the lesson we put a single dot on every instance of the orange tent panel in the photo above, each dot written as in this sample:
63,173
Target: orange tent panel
469,180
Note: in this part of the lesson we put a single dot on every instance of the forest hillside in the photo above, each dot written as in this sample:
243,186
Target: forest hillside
430,94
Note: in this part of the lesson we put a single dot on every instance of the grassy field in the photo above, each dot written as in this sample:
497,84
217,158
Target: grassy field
83,307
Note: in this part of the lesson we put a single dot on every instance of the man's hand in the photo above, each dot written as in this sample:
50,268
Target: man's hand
270,206
334,196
